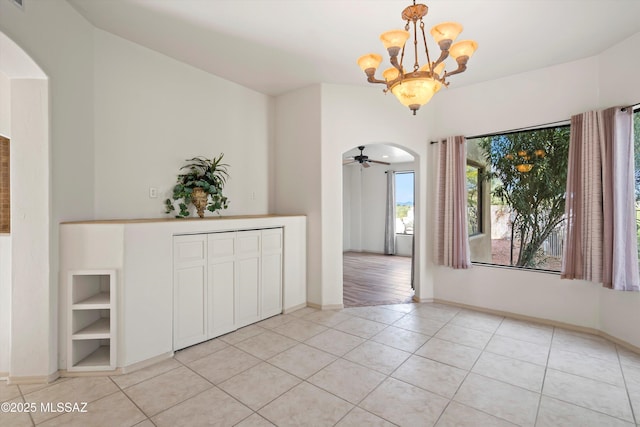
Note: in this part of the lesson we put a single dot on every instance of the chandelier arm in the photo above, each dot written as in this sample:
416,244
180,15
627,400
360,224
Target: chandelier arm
461,68
443,55
395,63
371,78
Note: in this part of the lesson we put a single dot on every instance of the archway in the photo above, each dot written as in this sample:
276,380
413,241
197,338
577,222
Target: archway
370,275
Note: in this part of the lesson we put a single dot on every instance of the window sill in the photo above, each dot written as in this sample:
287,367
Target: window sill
514,268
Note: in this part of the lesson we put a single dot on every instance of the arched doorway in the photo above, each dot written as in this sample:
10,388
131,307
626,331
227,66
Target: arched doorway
372,273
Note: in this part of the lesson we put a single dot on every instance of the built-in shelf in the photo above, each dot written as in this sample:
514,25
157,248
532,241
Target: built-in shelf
97,301
91,320
99,358
96,330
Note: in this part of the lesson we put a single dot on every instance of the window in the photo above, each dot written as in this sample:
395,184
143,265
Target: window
5,207
474,198
526,173
404,202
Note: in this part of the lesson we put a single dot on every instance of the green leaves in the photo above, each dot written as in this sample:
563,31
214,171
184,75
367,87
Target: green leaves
209,174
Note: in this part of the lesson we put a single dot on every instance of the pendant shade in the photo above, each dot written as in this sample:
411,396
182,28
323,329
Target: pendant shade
463,48
446,31
371,60
415,92
394,38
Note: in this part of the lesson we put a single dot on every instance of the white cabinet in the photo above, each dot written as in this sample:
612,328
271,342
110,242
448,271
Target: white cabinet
221,283
271,272
92,320
190,289
224,281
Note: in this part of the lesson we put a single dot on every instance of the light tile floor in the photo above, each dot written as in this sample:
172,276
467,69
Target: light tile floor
409,365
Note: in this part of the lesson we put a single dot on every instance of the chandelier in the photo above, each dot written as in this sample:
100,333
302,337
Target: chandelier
416,87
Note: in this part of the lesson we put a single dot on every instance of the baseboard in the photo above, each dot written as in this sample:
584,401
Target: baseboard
73,374
543,321
145,363
325,307
35,379
416,299
294,308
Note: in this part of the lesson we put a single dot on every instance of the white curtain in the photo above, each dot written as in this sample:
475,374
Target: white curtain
452,237
390,215
601,239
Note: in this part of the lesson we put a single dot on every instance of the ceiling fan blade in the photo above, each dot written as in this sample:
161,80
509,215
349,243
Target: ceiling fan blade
379,162
348,162
366,165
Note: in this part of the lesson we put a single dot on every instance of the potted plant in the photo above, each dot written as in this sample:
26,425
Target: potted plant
201,185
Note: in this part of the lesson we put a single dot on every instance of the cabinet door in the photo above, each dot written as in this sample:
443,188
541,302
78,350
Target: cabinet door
271,276
222,272
189,290
247,278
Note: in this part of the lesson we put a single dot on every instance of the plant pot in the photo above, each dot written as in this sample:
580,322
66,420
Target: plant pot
199,200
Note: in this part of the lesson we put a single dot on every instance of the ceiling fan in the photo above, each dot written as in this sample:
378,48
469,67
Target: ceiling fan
362,159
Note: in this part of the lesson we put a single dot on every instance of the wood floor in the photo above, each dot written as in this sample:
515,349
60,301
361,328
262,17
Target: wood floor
372,279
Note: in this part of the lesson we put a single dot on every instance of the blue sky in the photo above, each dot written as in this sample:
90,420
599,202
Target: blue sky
404,187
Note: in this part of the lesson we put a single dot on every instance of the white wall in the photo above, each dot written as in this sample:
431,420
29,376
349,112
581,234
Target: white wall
153,112
533,98
297,174
31,297
5,105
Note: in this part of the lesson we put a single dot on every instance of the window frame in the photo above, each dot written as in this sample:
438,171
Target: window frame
412,172
560,124
480,170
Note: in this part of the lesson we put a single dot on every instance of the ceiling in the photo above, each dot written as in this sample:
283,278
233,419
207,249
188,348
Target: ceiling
275,46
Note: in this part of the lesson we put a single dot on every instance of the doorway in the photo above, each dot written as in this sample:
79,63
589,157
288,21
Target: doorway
371,277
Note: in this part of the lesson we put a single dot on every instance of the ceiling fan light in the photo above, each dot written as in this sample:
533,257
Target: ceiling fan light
370,60
463,48
394,38
446,31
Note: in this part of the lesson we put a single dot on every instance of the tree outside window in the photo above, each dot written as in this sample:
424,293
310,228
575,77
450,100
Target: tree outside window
527,173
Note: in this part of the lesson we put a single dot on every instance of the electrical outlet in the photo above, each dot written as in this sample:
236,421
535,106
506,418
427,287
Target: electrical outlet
153,193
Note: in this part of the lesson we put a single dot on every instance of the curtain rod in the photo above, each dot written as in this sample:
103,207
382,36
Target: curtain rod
635,107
